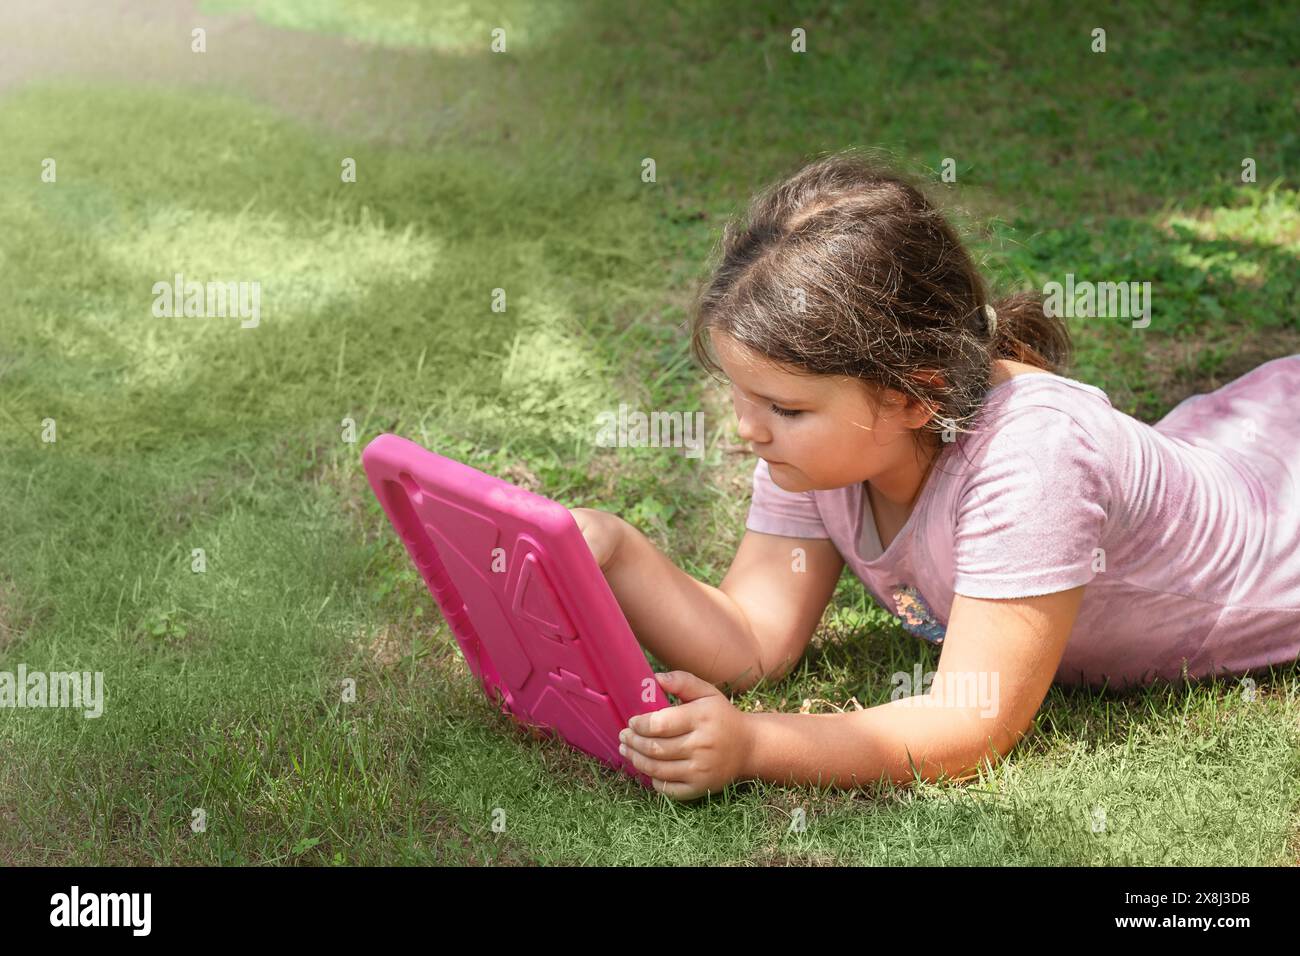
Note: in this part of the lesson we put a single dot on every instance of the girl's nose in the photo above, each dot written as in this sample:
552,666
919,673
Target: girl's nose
747,418
747,428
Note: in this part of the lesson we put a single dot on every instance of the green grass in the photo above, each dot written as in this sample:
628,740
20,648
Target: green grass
478,171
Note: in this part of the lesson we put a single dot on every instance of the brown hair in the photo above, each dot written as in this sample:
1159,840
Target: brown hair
846,268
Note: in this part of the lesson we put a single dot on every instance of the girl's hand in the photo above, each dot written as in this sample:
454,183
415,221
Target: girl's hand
695,748
603,531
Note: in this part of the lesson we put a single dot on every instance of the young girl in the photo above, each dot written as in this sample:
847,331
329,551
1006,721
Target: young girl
1004,511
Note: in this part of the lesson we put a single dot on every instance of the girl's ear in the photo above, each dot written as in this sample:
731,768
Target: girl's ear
918,413
931,377
921,412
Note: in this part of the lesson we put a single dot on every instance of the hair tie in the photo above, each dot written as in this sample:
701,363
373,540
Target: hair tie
991,314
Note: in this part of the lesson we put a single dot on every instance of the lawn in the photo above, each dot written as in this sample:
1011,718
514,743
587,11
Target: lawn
521,171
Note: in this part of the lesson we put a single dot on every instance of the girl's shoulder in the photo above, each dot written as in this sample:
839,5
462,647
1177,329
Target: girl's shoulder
1028,499
1042,412
1043,396
1042,381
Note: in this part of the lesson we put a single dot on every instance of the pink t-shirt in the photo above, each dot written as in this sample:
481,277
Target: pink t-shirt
1186,533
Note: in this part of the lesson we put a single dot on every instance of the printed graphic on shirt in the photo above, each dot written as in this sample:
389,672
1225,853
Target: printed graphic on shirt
915,615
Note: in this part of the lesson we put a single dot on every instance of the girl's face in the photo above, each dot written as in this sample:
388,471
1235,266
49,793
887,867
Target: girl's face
816,432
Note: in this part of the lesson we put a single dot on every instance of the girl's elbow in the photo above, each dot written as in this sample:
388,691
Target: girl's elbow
760,672
991,750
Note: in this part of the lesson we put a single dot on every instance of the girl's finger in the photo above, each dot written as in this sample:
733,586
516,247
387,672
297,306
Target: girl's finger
679,791
674,770
658,748
669,722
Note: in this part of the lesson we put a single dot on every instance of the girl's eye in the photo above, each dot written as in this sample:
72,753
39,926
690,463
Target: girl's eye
786,412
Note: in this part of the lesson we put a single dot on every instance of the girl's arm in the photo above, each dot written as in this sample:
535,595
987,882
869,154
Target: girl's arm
999,658
997,663
755,624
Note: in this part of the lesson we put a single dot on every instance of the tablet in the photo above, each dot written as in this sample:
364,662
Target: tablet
522,594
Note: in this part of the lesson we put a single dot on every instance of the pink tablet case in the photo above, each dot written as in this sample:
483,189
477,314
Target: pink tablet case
536,620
